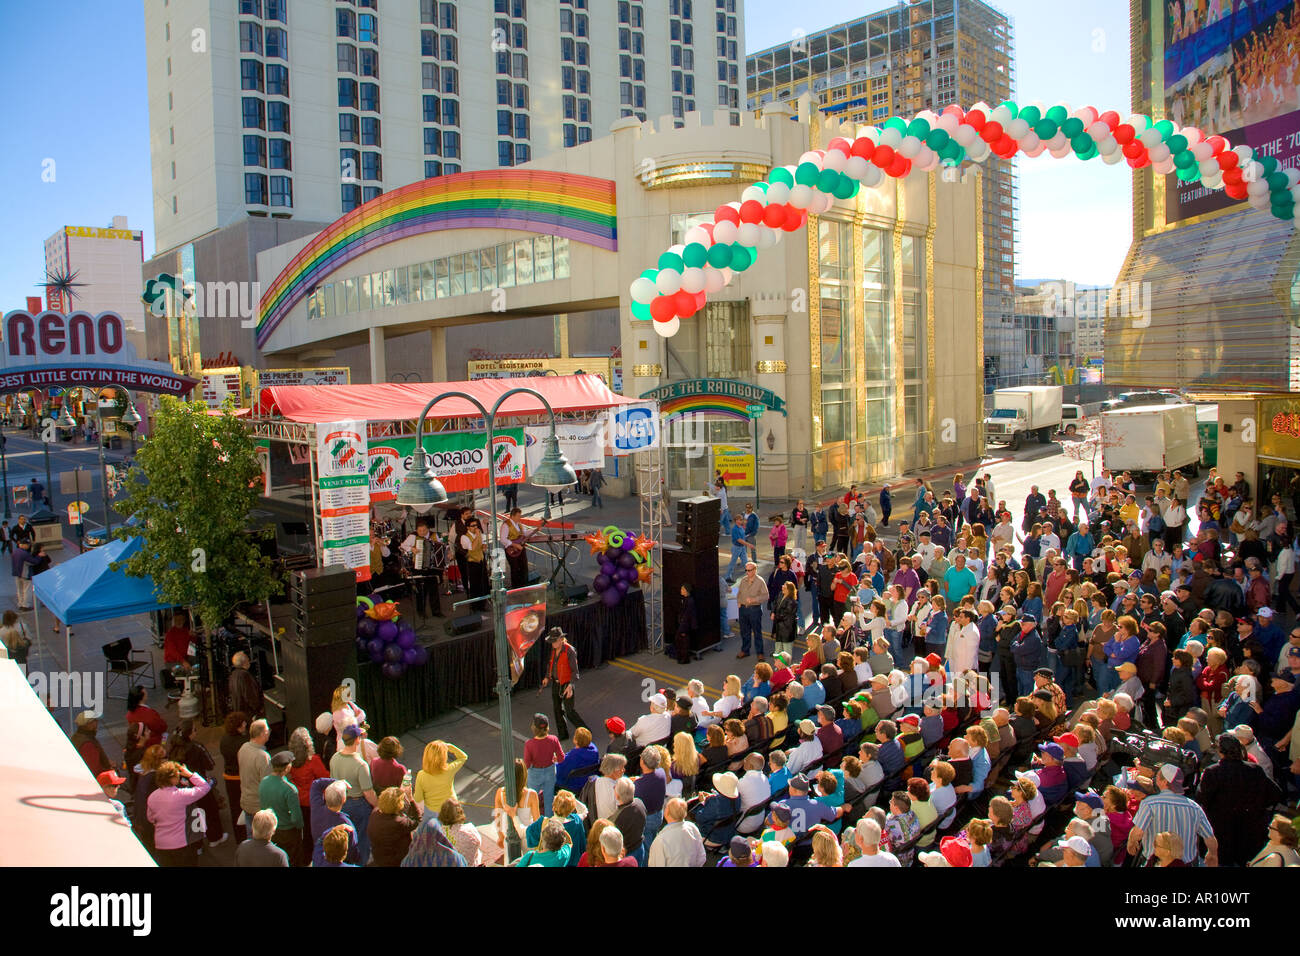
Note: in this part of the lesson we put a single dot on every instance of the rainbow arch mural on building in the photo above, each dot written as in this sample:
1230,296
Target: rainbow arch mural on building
719,397
580,208
711,253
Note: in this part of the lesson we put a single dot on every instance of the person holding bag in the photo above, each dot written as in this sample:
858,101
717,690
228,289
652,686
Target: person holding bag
14,638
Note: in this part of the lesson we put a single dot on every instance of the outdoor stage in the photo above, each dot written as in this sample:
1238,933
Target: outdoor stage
462,669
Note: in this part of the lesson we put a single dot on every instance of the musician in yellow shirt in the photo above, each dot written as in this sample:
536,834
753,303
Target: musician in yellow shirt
513,537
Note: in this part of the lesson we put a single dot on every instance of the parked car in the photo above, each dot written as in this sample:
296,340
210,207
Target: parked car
1139,399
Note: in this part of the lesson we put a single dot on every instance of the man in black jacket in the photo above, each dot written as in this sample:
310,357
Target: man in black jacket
1034,502
819,580
1223,594
1238,797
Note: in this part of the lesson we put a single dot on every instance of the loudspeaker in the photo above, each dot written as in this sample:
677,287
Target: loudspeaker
315,635
310,602
318,580
699,569
466,624
326,615
310,676
698,522
575,594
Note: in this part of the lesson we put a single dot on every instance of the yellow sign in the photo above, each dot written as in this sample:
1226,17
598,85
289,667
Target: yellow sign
90,232
76,510
736,464
1279,429
529,367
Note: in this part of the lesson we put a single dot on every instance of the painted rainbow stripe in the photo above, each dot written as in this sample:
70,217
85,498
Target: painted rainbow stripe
581,208
705,404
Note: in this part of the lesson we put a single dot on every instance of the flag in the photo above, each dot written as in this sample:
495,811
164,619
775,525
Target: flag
525,624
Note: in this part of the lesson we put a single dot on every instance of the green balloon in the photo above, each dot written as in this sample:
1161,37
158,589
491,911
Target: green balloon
1046,129
781,175
720,256
1269,163
1185,159
1031,115
650,274
806,174
1072,127
896,122
761,185
741,257
951,151
827,180
1166,128
846,188
1081,143
1058,114
1090,153
1188,174
671,260
1176,143
1011,108
1277,182
937,139
918,128
641,311
695,255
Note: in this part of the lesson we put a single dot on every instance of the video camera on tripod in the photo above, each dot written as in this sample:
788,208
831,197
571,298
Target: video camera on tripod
1154,752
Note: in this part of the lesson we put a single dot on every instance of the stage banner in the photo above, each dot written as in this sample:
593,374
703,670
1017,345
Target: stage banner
633,428
583,443
344,496
459,460
525,623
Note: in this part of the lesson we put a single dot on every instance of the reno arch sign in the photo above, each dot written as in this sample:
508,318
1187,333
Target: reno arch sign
51,348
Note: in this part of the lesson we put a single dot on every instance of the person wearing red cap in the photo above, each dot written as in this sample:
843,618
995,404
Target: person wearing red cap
620,741
109,781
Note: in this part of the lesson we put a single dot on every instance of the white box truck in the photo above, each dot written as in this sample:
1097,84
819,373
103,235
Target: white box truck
1024,412
1146,440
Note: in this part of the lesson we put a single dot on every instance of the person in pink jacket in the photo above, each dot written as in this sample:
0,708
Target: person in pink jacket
168,810
778,536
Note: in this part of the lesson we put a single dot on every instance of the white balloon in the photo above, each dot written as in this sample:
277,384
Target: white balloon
714,280
1088,114
1253,172
1213,182
1138,122
1017,129
1001,115
869,132
1245,153
727,276
767,238
1193,135
1295,193
678,249
643,290
735,204
980,151
910,147
812,156
668,329
1259,202
778,193
1060,152
966,135
834,159
755,194
692,280
1108,145
873,177
1110,159
1209,167
856,168
749,233
1203,151
1257,188
1292,176
724,233
1164,167
1098,131
1151,137
668,281
800,196
948,123
1029,142
1057,141
891,137
928,115
924,156
697,235
1159,153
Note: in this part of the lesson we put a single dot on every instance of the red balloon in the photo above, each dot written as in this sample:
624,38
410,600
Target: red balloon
992,132
883,156
774,215
1134,150
1111,119
862,146
1134,163
1237,191
1228,160
661,308
701,298
684,302
794,219
726,213
1217,143
900,167
751,210
708,227
954,110
1125,134
841,144
1006,146
975,119
1233,176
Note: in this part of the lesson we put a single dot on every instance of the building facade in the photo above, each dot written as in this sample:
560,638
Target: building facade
844,330
106,262
913,56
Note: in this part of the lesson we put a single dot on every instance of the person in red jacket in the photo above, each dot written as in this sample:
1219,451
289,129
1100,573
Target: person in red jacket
137,712
561,674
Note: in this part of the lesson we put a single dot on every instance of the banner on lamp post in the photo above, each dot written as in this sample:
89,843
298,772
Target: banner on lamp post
459,460
582,443
344,496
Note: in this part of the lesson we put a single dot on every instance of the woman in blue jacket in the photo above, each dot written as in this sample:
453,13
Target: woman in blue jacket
1121,649
1066,640
1027,649
820,525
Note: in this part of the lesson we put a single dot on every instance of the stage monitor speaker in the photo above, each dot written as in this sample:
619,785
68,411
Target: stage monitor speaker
316,635
317,580
326,615
310,603
575,594
310,676
702,508
466,624
699,523
699,569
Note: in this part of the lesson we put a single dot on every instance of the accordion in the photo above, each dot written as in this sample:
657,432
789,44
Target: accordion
429,554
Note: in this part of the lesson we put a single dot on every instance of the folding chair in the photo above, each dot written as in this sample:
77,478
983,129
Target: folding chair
121,660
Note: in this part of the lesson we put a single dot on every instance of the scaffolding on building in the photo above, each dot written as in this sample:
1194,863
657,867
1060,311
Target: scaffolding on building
649,470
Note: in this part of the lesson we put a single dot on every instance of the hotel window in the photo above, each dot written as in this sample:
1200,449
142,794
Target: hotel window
524,262
347,58
255,192
450,80
448,12
250,38
349,164
277,79
506,265
250,75
451,144
428,11
254,151
432,144
521,127
346,24
254,113
519,66
370,97
370,131
428,43
370,63
450,48
367,28
347,93
488,268
523,153
277,116
432,168
348,128
503,93
280,154
275,11
372,167
429,76
570,135
281,191
521,96
543,269
471,272
432,109
451,112
505,153
584,134
250,8
503,122
277,42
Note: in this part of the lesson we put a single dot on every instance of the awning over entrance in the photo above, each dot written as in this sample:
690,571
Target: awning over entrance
404,402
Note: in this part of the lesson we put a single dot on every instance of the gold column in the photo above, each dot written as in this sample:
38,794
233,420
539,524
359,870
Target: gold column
900,405
931,414
979,311
859,336
814,317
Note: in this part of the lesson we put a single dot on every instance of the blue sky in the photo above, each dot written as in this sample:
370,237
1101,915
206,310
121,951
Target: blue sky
82,104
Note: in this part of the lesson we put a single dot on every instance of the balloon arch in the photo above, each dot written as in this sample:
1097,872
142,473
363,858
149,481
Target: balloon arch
712,253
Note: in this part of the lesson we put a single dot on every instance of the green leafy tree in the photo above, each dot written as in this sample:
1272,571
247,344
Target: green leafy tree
195,482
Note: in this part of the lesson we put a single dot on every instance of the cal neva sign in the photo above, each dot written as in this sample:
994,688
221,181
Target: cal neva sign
52,348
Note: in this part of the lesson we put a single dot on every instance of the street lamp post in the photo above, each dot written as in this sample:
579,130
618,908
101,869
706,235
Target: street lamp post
421,490
4,469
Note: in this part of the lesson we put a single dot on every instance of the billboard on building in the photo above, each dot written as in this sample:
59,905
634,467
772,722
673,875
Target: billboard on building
1234,75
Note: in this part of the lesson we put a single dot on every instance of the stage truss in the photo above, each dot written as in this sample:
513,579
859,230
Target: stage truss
649,469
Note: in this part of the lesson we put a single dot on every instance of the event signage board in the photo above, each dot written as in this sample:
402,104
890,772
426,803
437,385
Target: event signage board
633,428
51,348
735,463
532,367
583,443
341,463
459,459
220,384
271,377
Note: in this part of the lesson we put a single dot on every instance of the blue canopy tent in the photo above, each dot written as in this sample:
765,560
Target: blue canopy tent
86,588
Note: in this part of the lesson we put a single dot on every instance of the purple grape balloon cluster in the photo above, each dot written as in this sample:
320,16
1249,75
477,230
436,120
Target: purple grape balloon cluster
618,568
391,644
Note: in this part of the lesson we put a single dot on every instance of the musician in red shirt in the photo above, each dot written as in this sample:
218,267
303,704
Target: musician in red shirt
561,674
177,640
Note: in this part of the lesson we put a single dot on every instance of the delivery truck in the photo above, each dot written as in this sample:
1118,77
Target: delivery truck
1146,440
1026,412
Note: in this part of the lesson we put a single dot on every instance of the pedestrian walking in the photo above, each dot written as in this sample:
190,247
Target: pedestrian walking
561,675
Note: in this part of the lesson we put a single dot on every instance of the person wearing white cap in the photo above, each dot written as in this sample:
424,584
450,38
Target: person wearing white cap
1169,810
655,726
1246,734
1076,851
